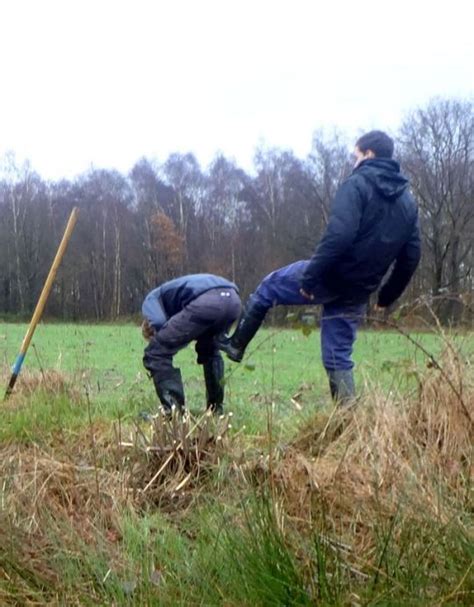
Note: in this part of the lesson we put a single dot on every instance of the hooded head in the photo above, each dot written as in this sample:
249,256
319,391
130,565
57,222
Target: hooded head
376,147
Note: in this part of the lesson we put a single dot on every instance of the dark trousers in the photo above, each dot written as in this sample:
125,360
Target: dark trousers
339,323
205,317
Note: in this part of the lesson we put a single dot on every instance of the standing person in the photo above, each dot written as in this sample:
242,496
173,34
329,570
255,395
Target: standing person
194,307
372,227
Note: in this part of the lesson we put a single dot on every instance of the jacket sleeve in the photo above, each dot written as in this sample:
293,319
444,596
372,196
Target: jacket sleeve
340,233
152,309
404,268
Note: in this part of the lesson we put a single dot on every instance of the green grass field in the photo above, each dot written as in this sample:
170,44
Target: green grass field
79,530
280,365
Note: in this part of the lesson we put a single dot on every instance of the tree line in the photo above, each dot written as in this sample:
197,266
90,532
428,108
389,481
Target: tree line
161,220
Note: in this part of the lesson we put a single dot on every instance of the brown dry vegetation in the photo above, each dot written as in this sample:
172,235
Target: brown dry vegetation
50,381
169,464
366,461
351,468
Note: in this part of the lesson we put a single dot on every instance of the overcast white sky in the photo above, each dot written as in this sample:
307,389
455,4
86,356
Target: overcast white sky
106,82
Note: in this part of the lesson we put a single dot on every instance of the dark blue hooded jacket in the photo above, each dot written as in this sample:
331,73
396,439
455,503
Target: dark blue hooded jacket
171,297
373,224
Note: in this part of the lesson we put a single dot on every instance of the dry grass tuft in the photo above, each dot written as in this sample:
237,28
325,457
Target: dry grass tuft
54,499
85,481
171,459
49,381
360,464
36,484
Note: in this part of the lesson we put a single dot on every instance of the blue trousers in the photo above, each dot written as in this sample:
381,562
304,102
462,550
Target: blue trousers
339,323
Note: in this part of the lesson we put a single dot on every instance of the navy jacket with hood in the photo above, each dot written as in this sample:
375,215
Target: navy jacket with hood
171,297
373,224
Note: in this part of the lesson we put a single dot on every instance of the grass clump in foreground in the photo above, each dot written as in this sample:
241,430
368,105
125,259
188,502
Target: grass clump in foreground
369,506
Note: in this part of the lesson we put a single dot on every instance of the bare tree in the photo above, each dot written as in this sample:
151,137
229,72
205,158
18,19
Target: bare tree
158,221
183,174
437,145
328,164
223,210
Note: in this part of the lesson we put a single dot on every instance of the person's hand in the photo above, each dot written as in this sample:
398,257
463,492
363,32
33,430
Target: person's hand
306,295
147,330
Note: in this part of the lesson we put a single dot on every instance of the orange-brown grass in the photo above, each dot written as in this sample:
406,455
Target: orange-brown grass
170,461
38,484
50,381
86,478
355,466
56,498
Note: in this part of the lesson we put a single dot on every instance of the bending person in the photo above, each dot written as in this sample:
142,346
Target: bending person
197,307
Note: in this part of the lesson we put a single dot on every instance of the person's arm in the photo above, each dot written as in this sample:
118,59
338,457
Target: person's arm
340,233
404,268
152,309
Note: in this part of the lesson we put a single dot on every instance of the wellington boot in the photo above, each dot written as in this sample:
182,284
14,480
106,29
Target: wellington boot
248,325
214,379
341,384
170,391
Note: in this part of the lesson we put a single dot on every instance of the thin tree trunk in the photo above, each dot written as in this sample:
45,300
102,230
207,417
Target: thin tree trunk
117,273
16,243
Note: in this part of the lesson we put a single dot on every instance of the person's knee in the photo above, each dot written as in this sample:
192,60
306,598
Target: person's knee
157,365
156,359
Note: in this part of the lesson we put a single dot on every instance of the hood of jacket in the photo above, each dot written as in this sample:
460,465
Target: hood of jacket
384,174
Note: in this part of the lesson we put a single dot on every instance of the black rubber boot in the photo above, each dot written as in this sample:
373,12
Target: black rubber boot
249,324
214,379
341,384
170,391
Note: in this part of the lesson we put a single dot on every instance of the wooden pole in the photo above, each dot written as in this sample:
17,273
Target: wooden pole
42,301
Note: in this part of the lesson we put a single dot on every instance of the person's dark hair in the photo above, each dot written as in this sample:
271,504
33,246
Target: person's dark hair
377,141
